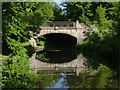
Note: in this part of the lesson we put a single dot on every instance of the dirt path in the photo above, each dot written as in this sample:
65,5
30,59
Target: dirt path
3,58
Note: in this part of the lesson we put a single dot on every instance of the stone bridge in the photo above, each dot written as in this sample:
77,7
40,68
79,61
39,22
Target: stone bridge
77,65
74,29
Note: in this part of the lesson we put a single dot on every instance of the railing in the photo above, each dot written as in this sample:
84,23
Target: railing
58,28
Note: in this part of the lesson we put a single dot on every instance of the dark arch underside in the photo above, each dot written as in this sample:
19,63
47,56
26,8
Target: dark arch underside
59,41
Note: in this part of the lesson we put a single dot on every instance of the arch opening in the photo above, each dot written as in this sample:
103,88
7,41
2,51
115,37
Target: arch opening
56,56
59,41
58,48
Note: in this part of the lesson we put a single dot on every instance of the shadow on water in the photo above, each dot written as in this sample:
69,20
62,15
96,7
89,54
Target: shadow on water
101,56
94,60
56,56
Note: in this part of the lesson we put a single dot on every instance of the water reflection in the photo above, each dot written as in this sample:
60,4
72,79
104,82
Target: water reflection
68,79
76,65
72,74
52,73
50,79
56,56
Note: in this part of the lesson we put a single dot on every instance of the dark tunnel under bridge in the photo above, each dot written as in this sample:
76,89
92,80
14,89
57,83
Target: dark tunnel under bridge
59,41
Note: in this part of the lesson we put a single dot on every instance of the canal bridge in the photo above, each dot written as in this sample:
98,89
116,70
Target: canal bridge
76,65
75,29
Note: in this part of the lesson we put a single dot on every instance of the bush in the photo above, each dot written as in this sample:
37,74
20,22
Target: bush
40,42
16,72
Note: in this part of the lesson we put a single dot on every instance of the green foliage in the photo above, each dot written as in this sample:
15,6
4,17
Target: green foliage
85,12
102,38
42,57
44,81
26,43
59,15
105,78
40,41
103,73
0,56
106,47
102,78
30,50
104,25
13,26
20,18
16,72
1,76
79,11
44,25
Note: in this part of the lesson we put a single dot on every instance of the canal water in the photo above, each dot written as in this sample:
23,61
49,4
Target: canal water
61,65
68,69
55,66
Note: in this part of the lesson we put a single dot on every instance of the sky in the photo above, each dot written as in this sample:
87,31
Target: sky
59,4
57,0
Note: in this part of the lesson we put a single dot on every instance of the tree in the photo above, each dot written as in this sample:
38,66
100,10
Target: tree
59,15
20,18
104,25
78,11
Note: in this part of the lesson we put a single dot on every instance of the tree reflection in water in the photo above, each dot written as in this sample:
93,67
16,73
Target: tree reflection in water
102,78
48,78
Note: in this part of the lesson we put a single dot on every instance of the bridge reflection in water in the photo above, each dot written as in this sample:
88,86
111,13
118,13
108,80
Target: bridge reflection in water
76,65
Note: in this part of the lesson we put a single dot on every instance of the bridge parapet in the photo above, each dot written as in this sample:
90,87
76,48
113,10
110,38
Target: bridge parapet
56,28
59,28
63,25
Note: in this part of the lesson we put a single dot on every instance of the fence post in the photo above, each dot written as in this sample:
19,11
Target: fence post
77,24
